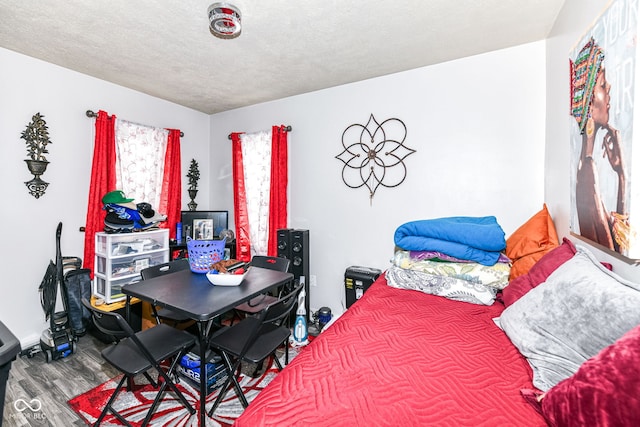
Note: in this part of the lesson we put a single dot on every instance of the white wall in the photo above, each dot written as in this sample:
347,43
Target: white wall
575,18
477,125
28,86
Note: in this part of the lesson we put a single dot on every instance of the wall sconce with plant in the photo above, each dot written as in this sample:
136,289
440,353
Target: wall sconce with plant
194,176
36,136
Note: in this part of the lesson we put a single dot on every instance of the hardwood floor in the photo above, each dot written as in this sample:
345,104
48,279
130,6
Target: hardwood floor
51,385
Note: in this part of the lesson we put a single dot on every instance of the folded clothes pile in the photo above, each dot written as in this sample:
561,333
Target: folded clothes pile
459,258
477,239
123,215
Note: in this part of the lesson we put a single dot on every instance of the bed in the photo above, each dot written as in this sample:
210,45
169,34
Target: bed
402,358
559,346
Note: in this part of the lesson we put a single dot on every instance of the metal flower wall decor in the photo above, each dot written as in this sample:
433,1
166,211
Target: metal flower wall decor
374,154
36,136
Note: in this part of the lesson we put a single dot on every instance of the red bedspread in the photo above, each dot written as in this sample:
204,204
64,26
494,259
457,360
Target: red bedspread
402,358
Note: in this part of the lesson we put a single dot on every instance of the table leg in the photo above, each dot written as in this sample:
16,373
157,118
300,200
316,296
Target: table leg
203,332
127,310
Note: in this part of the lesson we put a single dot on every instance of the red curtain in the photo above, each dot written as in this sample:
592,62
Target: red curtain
170,198
277,194
240,215
278,191
103,180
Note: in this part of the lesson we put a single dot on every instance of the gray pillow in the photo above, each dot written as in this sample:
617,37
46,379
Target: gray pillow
580,309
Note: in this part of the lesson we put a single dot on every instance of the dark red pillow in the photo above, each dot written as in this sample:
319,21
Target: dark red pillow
538,273
605,391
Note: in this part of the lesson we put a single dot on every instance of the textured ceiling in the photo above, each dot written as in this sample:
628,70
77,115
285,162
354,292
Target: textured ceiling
287,47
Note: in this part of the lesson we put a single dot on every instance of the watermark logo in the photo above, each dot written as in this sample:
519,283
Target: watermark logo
21,405
34,406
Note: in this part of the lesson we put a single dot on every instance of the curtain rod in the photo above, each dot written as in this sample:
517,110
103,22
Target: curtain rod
286,129
93,115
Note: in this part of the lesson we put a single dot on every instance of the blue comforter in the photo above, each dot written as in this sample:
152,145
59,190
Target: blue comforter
478,239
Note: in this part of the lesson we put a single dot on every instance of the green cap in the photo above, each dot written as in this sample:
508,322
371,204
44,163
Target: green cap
117,197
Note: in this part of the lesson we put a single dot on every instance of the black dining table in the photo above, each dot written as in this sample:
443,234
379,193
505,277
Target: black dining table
192,295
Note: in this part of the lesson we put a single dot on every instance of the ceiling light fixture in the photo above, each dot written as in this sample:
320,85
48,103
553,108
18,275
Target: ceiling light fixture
224,20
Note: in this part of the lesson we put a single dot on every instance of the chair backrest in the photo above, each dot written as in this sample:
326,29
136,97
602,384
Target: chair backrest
270,262
113,324
108,322
281,308
165,268
270,317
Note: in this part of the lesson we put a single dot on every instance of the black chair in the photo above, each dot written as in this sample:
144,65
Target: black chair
164,314
257,304
253,340
140,353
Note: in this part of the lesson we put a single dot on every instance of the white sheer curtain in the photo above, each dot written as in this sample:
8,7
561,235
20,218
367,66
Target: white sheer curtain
140,154
256,156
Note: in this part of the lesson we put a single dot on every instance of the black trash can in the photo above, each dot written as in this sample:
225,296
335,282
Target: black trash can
9,349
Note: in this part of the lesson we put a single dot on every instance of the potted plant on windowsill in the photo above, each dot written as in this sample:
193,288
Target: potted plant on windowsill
36,136
194,176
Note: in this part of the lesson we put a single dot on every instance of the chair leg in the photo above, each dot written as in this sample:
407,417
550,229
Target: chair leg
154,313
231,379
152,409
235,314
163,375
286,352
238,390
275,359
151,381
286,343
169,382
221,394
131,383
112,399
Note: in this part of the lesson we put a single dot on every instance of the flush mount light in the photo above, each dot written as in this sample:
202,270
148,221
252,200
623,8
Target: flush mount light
224,20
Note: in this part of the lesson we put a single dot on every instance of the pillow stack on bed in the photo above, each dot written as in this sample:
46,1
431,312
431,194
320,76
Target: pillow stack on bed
457,257
578,325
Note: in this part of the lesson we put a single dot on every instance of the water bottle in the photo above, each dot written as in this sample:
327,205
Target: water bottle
179,232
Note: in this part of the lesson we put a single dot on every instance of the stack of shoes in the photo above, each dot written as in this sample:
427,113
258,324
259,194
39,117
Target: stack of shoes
124,216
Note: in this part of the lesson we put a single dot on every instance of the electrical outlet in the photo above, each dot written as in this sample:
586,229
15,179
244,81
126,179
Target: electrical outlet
312,280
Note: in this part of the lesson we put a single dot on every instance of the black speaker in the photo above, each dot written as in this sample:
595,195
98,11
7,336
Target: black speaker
299,243
294,245
284,243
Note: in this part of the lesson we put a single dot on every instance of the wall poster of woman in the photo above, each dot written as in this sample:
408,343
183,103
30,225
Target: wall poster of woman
603,85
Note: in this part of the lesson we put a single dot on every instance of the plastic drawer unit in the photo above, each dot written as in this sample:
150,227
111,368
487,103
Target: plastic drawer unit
120,258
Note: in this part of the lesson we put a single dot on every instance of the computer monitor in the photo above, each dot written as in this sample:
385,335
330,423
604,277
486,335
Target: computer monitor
204,225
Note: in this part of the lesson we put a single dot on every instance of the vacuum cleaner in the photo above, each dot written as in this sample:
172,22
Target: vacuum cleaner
300,336
58,341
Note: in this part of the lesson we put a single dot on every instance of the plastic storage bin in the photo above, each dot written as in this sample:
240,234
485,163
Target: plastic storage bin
9,349
120,258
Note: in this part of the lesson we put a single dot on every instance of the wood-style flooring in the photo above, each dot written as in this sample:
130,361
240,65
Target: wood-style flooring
46,387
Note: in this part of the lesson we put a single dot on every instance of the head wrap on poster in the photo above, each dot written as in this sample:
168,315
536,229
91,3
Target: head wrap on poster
584,73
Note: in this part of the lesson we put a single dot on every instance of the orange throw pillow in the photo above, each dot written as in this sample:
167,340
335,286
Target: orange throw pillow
531,242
